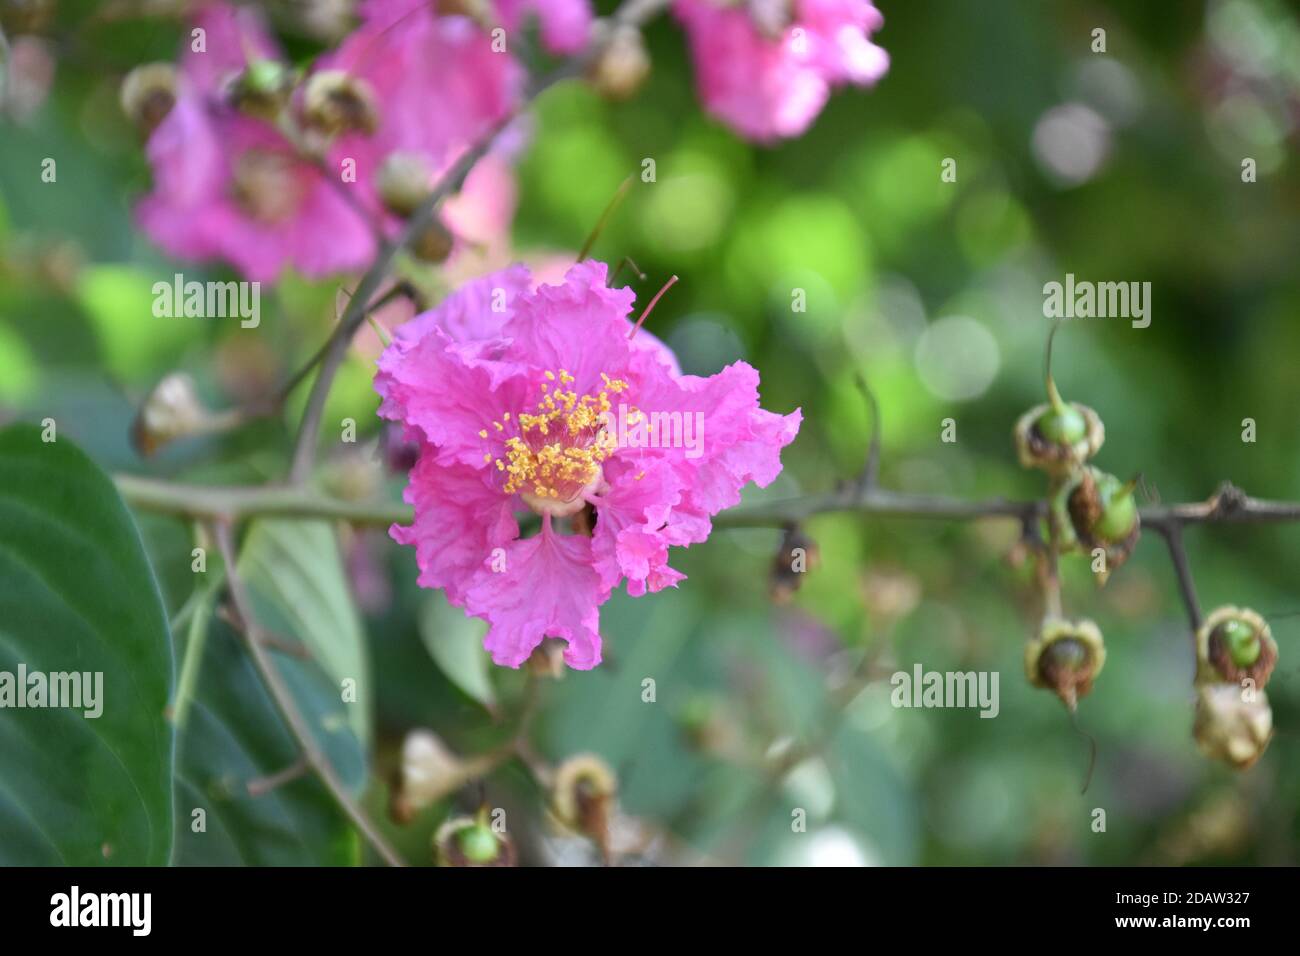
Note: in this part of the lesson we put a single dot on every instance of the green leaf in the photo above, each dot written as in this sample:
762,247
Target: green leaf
455,641
299,591
234,735
77,595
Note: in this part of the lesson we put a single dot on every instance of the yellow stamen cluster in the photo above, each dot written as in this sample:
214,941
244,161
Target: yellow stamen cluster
561,444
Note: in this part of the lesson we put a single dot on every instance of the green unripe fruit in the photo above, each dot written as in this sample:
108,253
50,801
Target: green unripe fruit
1063,425
263,76
1119,510
1243,643
478,843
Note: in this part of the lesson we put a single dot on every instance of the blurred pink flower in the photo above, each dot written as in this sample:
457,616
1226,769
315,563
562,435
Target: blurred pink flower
228,185
564,24
770,80
503,387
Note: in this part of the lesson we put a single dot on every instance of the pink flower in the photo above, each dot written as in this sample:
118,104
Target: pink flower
564,24
528,399
228,185
770,80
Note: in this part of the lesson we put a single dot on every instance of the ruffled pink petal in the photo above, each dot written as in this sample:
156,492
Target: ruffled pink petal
565,24
548,589
460,518
628,541
232,36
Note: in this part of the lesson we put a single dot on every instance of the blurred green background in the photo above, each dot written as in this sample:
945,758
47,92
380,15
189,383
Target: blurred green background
1123,166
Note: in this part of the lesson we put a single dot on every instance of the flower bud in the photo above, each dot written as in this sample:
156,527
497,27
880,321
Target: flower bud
434,242
621,66
172,410
1232,724
261,89
582,796
404,182
148,94
471,841
1058,436
1065,656
1104,514
335,102
1234,645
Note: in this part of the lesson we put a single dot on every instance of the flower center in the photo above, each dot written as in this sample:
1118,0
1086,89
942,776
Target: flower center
554,461
265,185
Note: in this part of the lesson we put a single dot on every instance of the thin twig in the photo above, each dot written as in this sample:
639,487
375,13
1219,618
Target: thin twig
1172,531
288,707
871,469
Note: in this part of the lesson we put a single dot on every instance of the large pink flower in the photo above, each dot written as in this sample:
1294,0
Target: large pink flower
542,400
769,80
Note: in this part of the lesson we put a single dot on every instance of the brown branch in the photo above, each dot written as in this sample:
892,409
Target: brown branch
288,707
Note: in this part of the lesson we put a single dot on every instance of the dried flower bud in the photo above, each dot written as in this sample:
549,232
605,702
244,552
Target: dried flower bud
334,102
798,555
148,94
582,796
1065,656
26,16
1058,436
547,659
1232,724
770,17
429,772
1234,645
172,410
261,89
1104,514
404,181
434,242
622,65
471,841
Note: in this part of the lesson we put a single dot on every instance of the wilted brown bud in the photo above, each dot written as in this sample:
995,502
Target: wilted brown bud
1103,514
25,16
334,102
172,410
434,243
622,65
798,555
1066,657
148,94
472,841
1235,645
429,772
1233,724
582,796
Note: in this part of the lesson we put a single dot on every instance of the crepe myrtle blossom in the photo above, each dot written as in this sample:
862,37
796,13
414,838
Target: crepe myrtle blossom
245,178
766,67
505,389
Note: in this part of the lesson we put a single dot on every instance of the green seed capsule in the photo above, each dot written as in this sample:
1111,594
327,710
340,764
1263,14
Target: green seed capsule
478,843
1243,643
1119,510
1062,426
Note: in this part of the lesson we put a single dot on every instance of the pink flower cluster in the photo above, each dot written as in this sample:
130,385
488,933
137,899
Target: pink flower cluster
503,387
236,186
766,67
